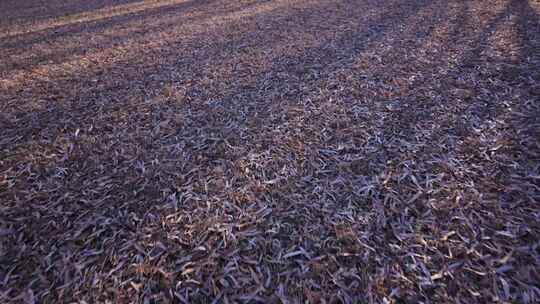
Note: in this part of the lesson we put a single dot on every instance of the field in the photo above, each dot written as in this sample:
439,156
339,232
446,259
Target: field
278,151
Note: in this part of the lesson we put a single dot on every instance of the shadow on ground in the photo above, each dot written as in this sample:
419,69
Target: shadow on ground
299,150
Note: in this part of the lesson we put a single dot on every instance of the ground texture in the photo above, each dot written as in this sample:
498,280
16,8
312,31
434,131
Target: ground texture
269,151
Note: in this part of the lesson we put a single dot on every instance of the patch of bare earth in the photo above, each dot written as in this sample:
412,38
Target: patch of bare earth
182,151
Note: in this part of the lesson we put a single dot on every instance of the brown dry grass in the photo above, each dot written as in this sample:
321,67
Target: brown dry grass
249,151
